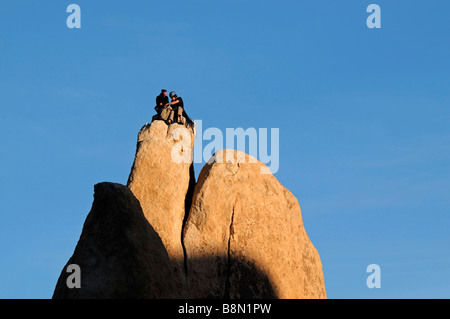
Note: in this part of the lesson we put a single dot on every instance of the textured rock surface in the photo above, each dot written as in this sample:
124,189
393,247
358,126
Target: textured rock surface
161,176
251,228
119,253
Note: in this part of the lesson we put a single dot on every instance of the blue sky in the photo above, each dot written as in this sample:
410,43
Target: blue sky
363,116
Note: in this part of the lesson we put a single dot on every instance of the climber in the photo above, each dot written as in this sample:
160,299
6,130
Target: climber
166,111
161,100
177,108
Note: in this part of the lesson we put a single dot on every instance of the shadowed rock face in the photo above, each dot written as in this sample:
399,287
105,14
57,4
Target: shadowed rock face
119,253
161,177
248,218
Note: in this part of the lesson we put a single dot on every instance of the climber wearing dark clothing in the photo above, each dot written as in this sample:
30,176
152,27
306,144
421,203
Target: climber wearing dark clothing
177,108
161,101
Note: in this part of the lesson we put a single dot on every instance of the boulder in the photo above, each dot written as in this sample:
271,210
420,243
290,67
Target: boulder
244,236
119,254
162,179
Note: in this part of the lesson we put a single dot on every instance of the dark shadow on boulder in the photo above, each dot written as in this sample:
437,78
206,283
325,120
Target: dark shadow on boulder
187,207
246,281
232,278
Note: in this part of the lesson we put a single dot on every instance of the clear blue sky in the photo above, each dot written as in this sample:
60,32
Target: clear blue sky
363,117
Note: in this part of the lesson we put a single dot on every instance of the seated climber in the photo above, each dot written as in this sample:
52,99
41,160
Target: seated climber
177,107
161,100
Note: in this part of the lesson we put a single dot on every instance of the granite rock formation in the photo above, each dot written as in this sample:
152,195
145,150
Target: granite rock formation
246,218
236,233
